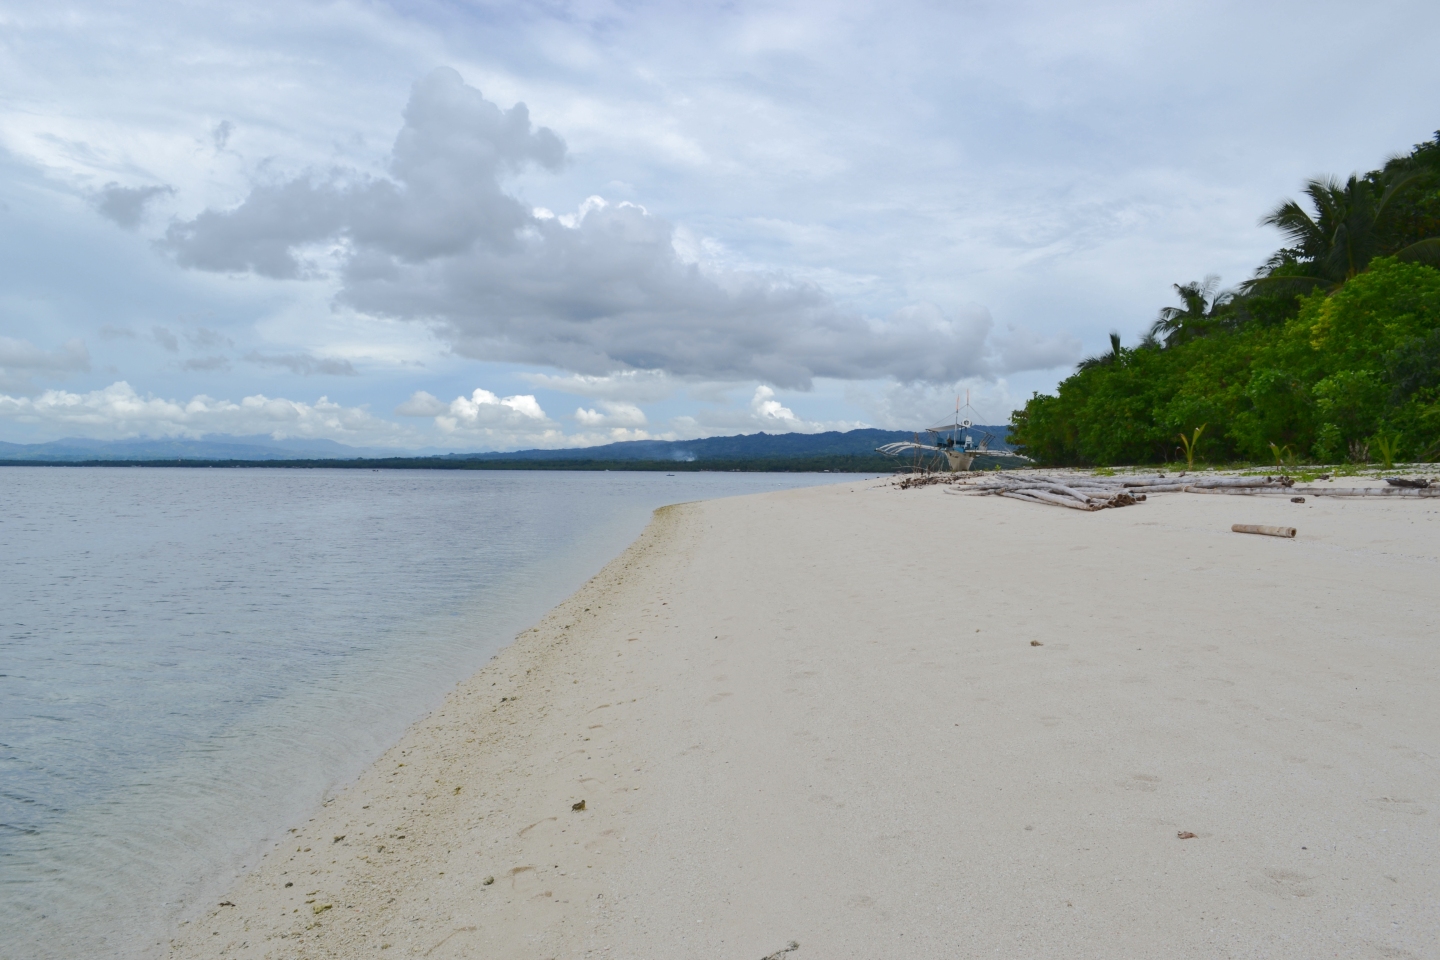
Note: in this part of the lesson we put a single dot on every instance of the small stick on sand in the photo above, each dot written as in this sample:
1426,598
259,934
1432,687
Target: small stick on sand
1263,530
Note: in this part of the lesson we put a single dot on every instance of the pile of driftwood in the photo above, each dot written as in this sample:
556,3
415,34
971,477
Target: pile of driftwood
1082,492
911,480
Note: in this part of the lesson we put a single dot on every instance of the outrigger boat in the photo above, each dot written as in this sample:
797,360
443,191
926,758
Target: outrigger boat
953,446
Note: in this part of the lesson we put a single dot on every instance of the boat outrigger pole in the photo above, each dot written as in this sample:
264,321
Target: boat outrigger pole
954,444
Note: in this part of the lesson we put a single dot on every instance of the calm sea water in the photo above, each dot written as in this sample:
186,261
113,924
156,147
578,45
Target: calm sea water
190,660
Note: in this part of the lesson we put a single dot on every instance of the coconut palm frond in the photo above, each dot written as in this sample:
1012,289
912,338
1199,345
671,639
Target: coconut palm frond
1104,359
1422,251
1200,299
1342,235
1285,284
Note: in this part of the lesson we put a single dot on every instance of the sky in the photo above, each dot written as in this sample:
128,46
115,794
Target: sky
492,226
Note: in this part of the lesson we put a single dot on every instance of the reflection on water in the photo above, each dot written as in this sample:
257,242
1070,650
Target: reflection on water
191,659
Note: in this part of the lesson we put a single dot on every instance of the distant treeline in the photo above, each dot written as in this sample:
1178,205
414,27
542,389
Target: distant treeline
744,448
1330,352
874,463
835,464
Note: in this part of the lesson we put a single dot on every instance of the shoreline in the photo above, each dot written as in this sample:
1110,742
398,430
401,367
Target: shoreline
508,683
324,641
818,716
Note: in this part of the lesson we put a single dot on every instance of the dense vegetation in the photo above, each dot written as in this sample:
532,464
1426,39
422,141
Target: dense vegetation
1330,353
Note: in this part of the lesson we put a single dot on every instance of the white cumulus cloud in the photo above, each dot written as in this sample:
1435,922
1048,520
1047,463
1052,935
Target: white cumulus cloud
484,407
422,404
764,412
611,413
766,407
484,416
119,411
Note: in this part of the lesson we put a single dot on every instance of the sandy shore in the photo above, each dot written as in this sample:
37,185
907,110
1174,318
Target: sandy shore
821,716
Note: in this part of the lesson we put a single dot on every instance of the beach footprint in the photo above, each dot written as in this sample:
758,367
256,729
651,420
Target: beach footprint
603,845
523,880
1142,782
1395,805
1285,884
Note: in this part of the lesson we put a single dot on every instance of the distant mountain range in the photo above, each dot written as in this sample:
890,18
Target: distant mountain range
746,447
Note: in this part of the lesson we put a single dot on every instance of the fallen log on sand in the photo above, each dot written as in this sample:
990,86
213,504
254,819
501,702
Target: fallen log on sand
1330,491
1091,493
1042,496
1367,491
1079,496
1263,530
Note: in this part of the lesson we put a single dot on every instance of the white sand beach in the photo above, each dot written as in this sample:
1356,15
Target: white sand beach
884,723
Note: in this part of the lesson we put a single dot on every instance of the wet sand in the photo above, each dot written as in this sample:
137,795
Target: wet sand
911,724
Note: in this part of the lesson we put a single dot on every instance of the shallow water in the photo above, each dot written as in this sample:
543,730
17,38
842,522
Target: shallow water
190,659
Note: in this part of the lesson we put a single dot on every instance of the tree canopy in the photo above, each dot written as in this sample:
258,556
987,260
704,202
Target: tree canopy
1331,348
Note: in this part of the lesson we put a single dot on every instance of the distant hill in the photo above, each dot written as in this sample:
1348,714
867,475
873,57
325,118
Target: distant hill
756,446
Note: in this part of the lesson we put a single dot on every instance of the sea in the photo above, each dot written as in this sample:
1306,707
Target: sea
191,660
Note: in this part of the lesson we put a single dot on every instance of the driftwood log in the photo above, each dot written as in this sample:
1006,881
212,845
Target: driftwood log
1092,493
1263,530
1369,491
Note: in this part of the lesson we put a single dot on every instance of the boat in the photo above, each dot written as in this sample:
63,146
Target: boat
950,447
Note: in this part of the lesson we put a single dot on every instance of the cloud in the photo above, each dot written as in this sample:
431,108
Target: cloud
442,199
610,293
633,386
483,416
126,205
118,411
484,410
165,338
597,292
422,404
199,339
765,407
304,364
24,355
913,406
21,361
771,416
1020,349
203,338
611,414
763,412
1022,156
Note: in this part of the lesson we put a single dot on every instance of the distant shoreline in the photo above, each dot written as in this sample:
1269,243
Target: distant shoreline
830,464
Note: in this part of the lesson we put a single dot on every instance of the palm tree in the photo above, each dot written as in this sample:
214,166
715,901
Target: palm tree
1342,236
1200,303
1104,359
